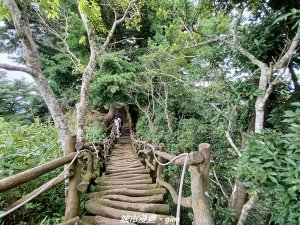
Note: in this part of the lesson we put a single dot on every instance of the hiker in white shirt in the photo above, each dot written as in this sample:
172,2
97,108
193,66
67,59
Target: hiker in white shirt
117,122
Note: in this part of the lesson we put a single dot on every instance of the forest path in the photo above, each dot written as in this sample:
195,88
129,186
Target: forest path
126,193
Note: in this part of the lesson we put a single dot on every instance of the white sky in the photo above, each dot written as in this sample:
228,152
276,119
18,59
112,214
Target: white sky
4,58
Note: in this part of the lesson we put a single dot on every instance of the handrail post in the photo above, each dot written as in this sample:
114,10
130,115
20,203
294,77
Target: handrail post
72,201
159,171
199,188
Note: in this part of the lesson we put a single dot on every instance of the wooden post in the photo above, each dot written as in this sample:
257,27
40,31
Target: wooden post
86,180
159,171
72,202
199,188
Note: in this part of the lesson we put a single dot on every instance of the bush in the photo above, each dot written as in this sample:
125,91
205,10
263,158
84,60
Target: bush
270,166
23,147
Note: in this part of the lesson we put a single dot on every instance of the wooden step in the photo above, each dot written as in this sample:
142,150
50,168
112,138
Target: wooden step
99,220
137,207
126,192
107,221
138,169
118,166
146,199
131,165
132,177
126,175
122,182
112,213
129,186
145,171
124,168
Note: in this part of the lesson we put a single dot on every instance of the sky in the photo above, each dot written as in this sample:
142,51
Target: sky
4,58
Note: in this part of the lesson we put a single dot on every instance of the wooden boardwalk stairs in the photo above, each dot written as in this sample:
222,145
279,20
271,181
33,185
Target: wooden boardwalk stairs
126,193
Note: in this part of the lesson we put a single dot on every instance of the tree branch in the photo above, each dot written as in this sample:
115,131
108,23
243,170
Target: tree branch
236,44
246,209
185,202
286,57
227,133
16,68
219,184
115,24
209,41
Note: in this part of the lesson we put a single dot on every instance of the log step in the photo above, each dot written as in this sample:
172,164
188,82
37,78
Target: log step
138,170
138,207
129,186
127,192
145,199
126,175
133,177
121,182
99,220
118,214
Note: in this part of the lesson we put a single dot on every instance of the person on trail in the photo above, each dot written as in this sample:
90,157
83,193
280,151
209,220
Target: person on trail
118,122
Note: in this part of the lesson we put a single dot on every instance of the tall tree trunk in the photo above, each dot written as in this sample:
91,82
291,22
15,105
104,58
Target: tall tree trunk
82,106
294,78
110,116
32,61
261,100
238,198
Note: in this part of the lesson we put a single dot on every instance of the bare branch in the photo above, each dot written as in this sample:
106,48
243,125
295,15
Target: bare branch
16,68
236,44
227,133
117,22
286,57
246,209
246,53
229,138
209,41
219,184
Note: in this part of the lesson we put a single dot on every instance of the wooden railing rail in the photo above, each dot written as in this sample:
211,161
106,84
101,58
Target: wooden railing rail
10,182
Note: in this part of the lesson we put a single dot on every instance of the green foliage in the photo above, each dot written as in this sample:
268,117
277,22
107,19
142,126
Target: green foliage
23,147
93,12
95,131
4,13
19,100
113,82
270,166
50,7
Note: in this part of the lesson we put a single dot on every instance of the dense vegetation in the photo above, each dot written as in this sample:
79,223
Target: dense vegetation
183,68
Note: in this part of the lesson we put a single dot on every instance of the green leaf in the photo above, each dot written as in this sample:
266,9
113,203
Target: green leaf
273,179
289,160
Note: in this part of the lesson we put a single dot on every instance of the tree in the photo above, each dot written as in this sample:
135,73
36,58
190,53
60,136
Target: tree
20,101
31,56
122,10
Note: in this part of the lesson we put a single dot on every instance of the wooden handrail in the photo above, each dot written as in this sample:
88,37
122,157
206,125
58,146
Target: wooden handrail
25,176
43,187
198,162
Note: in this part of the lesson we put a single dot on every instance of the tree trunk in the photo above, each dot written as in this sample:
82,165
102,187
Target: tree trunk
294,78
32,60
82,106
238,198
110,116
260,103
